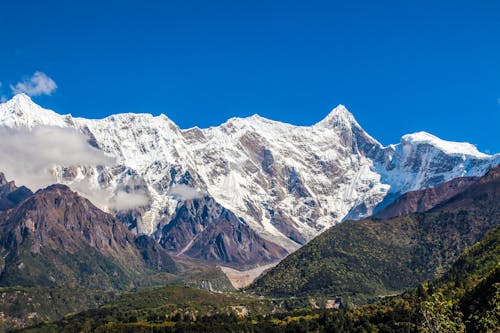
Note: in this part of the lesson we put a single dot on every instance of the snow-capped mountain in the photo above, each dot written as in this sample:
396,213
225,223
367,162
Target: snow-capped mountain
288,183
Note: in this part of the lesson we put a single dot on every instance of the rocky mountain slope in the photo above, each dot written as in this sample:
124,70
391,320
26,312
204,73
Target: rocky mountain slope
423,200
360,260
288,183
57,238
201,228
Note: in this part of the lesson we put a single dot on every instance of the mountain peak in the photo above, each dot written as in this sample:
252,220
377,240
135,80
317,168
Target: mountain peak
420,136
57,188
22,97
449,147
21,111
338,117
21,101
345,125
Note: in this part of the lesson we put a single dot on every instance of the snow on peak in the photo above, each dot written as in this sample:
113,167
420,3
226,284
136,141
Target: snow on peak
338,117
449,147
254,123
256,116
21,97
21,101
21,111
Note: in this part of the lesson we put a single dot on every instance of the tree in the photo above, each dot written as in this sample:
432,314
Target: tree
489,322
440,316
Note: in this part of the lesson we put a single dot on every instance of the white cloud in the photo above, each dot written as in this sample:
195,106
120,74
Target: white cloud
105,199
36,85
124,201
184,192
30,156
35,157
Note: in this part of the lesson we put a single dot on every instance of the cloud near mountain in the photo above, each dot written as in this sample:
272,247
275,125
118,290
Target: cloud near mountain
31,156
184,192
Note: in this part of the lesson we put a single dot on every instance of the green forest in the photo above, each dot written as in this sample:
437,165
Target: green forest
466,298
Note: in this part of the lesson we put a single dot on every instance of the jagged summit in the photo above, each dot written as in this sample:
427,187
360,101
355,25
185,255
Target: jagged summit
338,117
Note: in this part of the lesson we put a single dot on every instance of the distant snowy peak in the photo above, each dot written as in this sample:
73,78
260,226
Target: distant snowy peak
422,160
254,123
141,118
339,117
342,122
448,147
21,111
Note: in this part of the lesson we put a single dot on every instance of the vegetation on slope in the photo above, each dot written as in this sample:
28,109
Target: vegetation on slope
465,299
363,260
24,306
162,307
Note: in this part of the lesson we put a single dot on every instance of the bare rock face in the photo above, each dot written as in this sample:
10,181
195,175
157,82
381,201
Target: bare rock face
423,200
56,237
154,255
434,198
491,175
203,229
480,194
56,216
10,194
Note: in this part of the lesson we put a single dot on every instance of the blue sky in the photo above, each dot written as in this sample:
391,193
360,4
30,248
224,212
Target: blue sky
399,66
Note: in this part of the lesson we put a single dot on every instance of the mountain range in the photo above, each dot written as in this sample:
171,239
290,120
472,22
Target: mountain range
273,185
